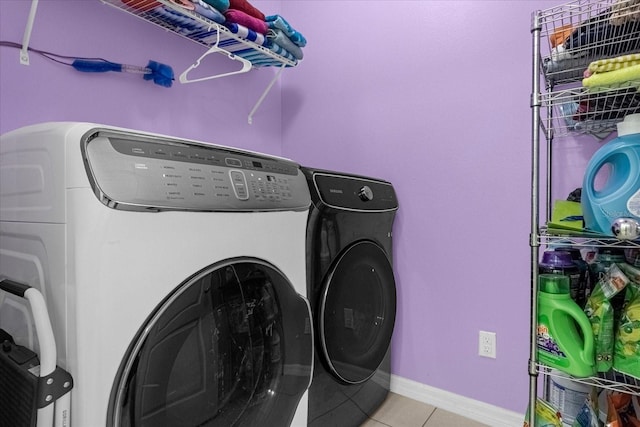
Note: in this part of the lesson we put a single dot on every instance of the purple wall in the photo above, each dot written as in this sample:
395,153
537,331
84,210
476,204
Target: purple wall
431,95
434,96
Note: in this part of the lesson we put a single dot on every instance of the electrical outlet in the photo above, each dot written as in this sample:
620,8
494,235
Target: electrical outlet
487,344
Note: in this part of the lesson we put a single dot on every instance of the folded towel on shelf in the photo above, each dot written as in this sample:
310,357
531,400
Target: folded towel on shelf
246,33
624,77
278,22
246,7
611,64
280,38
239,17
209,12
183,24
275,47
258,58
219,5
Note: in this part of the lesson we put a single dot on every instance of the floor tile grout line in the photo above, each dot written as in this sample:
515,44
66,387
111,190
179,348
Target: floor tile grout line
429,417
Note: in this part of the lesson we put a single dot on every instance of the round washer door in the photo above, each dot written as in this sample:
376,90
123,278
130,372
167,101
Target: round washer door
357,312
231,346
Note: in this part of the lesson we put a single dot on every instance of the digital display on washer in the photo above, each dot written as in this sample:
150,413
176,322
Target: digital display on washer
138,174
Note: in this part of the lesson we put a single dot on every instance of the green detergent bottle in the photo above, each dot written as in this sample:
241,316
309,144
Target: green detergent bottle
565,336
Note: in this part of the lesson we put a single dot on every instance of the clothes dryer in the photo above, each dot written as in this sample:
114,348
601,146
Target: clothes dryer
351,288
173,272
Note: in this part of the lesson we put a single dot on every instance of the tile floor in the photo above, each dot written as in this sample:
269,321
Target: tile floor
400,411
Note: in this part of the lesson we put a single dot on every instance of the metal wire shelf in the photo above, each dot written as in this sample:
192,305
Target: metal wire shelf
200,29
586,111
558,238
611,380
566,100
215,36
574,34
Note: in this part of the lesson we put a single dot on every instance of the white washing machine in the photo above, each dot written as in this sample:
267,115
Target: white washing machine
173,272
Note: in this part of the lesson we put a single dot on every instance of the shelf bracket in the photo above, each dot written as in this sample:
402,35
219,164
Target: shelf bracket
264,94
24,52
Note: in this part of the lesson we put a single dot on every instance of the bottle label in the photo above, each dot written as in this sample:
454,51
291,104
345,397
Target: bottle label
547,343
633,204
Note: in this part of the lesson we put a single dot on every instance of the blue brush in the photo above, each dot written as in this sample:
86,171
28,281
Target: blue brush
161,74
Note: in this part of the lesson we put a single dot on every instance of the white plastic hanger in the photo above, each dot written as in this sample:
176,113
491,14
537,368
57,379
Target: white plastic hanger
246,64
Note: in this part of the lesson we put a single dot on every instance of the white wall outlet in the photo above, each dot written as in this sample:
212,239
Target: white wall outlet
487,344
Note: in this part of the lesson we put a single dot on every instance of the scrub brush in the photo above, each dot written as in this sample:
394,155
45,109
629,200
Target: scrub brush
161,74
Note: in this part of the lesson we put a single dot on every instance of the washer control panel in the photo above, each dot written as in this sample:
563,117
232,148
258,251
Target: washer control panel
138,172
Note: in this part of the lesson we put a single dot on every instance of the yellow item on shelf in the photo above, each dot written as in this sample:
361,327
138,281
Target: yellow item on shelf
566,215
624,77
611,64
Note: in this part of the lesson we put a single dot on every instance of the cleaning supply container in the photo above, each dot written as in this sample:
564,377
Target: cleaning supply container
584,277
561,262
618,197
565,337
567,395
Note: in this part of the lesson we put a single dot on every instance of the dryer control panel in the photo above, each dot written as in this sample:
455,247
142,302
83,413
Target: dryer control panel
145,172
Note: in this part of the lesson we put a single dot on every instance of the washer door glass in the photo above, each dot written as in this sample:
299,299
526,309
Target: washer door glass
357,312
232,346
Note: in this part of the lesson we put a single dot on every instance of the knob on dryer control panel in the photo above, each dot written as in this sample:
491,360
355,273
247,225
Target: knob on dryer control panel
365,193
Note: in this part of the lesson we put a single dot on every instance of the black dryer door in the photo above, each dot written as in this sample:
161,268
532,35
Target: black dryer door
357,312
232,346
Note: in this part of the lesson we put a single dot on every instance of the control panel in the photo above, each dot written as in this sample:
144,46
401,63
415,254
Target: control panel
355,193
138,172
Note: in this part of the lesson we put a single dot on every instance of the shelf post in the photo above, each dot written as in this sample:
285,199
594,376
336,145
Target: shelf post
535,216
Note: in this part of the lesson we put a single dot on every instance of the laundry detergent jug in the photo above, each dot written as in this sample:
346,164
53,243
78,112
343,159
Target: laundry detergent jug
614,207
565,337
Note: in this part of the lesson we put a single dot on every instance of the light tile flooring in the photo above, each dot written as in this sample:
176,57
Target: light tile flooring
400,411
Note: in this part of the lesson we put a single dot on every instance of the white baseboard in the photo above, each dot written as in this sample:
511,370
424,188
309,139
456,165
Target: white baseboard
469,408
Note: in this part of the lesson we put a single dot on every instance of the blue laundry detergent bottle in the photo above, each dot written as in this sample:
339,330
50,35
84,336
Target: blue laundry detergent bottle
617,200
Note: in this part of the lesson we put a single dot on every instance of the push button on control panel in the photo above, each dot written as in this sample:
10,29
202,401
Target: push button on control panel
233,162
239,183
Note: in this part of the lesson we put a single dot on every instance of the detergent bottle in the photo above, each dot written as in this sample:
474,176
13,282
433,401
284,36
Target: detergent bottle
559,262
565,337
613,207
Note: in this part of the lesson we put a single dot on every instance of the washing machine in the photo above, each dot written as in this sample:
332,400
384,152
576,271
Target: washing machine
352,291
173,272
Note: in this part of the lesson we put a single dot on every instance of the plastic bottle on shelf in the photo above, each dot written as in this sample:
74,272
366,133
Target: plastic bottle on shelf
561,262
567,395
565,337
605,256
584,277
618,198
